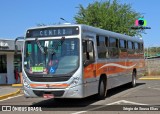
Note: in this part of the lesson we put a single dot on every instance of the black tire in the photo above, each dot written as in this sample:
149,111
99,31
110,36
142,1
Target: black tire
102,89
134,75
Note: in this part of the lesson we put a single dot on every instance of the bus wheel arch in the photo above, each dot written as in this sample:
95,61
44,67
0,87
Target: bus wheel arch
102,87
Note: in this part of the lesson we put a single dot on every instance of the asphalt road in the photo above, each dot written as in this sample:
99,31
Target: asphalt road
119,100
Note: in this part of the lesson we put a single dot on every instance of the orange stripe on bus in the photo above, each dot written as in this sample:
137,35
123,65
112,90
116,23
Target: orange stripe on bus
100,68
38,85
49,85
59,85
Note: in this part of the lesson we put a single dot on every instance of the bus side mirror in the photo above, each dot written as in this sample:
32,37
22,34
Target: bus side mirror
16,49
16,46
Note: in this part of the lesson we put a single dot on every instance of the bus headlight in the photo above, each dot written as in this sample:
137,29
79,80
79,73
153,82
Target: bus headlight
75,81
25,83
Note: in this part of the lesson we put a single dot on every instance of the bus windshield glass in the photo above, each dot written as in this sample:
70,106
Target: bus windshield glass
52,57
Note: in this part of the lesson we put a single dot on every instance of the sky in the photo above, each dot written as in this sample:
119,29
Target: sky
16,16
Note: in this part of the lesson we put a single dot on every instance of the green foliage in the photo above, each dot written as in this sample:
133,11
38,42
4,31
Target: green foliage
152,51
110,16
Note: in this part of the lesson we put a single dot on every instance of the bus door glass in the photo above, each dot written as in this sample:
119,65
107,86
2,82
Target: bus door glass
89,59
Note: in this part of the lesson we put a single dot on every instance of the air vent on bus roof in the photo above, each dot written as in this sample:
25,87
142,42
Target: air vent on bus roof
66,23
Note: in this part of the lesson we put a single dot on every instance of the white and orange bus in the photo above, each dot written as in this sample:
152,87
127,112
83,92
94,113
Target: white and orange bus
76,61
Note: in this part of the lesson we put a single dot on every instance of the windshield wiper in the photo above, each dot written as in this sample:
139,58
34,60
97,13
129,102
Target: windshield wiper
52,50
39,45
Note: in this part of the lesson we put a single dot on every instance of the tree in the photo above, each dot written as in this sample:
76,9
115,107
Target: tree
110,16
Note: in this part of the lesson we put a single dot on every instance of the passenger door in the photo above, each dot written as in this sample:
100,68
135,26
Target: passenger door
89,67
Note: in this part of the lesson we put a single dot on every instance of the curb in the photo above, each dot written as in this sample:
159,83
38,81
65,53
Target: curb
16,85
150,78
10,94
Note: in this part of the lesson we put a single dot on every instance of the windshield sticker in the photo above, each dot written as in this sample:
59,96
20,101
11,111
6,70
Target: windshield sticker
37,69
52,70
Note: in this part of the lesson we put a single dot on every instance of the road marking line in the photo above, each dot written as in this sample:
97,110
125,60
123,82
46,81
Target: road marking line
155,88
12,97
117,102
79,112
130,102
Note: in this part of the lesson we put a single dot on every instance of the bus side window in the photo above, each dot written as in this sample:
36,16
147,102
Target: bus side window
102,43
88,52
130,45
131,49
122,49
141,47
113,48
136,45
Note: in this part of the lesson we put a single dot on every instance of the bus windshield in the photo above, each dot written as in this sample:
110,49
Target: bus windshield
51,57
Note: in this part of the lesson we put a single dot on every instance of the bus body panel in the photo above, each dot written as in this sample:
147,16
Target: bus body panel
117,70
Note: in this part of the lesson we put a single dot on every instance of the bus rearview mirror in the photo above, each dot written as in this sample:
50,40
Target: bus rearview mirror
16,49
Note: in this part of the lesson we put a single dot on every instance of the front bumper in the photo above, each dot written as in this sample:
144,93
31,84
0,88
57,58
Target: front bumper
70,92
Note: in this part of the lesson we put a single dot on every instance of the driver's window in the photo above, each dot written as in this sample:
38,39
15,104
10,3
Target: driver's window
88,51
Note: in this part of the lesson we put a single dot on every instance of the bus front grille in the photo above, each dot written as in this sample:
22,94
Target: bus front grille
48,79
55,93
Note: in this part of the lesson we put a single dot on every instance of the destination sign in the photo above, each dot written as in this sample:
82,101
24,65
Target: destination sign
52,31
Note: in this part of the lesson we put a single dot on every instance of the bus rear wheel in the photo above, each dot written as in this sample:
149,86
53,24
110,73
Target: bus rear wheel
102,89
134,75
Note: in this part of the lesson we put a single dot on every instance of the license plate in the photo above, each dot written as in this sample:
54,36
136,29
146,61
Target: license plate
48,96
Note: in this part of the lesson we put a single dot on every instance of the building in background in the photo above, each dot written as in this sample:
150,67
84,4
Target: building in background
9,61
